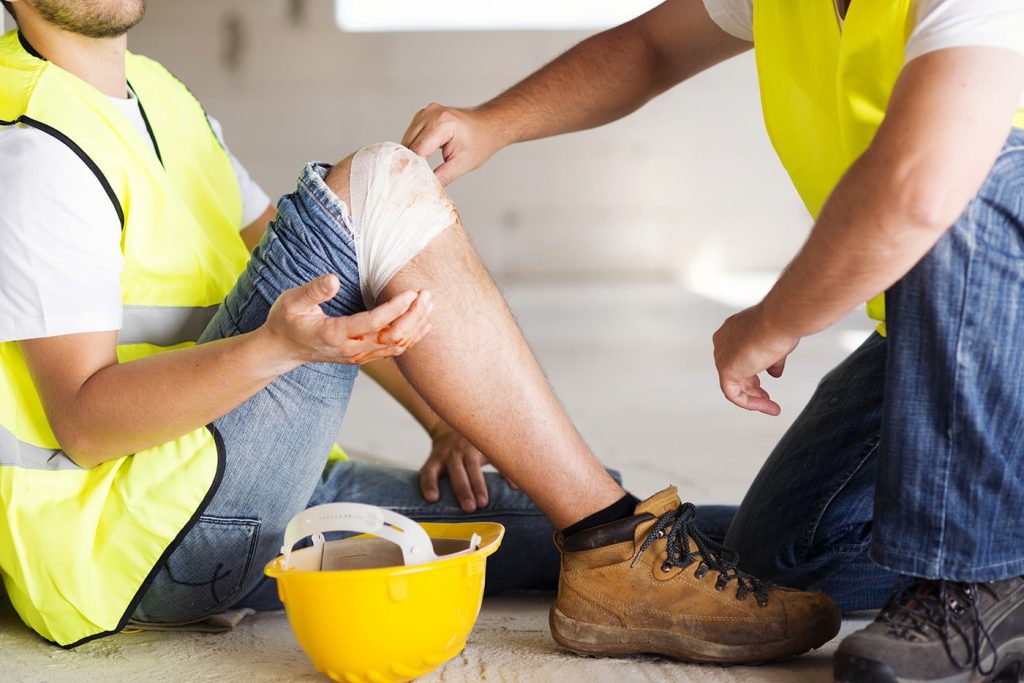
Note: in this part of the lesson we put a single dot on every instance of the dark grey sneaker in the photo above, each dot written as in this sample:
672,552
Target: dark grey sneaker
941,632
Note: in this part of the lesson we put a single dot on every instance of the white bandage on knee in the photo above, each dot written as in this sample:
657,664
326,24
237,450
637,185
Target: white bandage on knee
398,207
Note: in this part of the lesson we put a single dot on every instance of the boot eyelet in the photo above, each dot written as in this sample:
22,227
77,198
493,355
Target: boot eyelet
719,587
741,596
699,574
666,567
762,603
660,534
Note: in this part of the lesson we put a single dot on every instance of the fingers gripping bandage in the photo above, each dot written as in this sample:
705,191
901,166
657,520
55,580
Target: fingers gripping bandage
398,207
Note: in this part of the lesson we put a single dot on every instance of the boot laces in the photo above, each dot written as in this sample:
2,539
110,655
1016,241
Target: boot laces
941,608
678,527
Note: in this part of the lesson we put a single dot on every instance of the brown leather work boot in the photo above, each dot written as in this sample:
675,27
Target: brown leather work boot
654,583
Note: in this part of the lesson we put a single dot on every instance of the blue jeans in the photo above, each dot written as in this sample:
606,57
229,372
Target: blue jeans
909,458
277,442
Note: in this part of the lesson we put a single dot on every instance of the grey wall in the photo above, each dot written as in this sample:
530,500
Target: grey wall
689,181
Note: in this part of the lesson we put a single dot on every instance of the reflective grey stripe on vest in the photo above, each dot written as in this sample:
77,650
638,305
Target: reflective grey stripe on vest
164,325
14,453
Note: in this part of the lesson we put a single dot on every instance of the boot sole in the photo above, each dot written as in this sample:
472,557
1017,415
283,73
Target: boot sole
597,640
1009,669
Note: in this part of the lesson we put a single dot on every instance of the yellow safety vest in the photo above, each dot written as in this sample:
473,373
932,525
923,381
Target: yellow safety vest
78,546
825,88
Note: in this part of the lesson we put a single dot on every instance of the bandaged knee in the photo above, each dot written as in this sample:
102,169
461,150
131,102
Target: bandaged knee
398,207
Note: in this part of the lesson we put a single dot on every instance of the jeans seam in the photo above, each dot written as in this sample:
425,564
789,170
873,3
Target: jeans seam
951,430
248,564
922,566
807,538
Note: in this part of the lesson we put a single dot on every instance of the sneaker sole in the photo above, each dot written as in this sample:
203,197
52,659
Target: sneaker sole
852,669
597,640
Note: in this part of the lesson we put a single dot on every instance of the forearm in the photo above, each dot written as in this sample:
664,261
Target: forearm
866,238
598,81
613,73
127,407
385,373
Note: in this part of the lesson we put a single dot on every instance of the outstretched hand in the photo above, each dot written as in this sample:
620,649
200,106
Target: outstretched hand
745,347
309,335
452,456
465,137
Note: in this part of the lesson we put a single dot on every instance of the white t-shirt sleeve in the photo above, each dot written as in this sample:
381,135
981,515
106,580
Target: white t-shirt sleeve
60,242
254,200
735,17
941,24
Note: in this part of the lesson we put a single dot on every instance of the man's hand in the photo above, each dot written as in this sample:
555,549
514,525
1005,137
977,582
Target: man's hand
466,137
744,347
308,335
452,456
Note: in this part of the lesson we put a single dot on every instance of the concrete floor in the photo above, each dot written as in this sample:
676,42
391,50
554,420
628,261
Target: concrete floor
632,364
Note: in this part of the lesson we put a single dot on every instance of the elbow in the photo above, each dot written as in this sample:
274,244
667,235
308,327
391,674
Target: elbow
925,201
80,446
660,71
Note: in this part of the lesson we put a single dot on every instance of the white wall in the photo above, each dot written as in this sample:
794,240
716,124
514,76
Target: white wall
689,181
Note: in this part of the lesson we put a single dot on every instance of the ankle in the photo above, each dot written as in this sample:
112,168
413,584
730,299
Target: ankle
620,509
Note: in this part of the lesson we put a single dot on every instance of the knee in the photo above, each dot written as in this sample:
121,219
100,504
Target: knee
397,207
385,170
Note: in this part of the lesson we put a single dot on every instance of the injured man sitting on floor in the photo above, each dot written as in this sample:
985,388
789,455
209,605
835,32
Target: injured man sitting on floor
169,399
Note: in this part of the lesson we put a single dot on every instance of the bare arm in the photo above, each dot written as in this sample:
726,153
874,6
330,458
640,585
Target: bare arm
598,81
253,233
947,119
100,409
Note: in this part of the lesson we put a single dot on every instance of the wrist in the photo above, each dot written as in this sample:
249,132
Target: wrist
273,350
438,429
771,325
503,126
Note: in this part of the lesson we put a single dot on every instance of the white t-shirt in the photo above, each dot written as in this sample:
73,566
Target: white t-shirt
938,24
60,238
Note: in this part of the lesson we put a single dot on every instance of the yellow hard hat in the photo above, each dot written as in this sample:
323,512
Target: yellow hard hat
391,604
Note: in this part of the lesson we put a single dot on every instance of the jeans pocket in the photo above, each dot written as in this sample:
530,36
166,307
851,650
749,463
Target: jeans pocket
206,573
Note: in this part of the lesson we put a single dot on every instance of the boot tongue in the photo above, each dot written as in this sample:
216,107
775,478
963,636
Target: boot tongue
657,505
660,503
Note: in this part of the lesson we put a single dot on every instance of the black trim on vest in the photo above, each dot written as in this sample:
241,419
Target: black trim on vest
27,47
221,460
149,128
53,132
71,144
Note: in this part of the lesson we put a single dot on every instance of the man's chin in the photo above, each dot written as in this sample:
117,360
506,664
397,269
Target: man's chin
99,19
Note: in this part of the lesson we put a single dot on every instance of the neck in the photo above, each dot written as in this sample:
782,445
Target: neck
100,62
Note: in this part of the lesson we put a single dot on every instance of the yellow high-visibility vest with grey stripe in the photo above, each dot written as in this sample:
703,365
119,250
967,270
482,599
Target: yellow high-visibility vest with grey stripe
78,546
825,85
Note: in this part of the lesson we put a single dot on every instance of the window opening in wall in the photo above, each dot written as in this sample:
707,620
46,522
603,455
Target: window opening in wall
484,15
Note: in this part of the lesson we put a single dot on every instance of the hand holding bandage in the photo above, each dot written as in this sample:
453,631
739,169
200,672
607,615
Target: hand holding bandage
308,335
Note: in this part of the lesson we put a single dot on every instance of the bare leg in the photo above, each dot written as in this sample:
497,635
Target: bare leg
477,372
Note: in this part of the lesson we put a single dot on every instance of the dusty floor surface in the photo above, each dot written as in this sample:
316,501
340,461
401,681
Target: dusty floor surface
633,366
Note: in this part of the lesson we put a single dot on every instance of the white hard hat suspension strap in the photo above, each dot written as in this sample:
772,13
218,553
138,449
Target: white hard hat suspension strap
368,519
